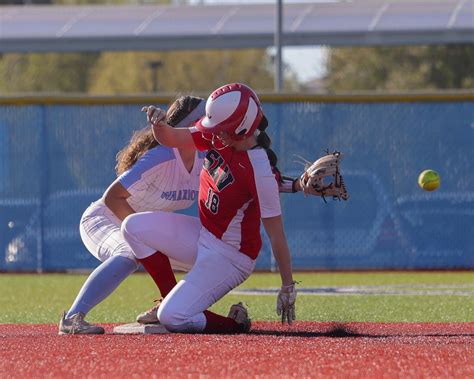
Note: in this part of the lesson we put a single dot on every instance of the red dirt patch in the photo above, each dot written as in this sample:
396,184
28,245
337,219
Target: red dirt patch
307,349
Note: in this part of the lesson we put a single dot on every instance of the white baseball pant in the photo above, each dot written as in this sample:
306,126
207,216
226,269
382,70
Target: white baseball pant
100,232
217,267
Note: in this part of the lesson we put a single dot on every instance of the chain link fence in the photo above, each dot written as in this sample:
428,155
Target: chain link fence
56,158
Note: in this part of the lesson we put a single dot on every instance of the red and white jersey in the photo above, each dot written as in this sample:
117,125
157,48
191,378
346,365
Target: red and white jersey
237,188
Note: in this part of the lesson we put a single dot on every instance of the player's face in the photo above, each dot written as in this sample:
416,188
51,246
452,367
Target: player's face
225,138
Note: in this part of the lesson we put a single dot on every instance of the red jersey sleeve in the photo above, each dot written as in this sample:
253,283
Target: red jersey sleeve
201,143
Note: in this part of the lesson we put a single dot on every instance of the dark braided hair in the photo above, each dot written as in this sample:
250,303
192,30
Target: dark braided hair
180,108
264,141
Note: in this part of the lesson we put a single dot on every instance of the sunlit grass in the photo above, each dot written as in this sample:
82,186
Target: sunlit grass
42,298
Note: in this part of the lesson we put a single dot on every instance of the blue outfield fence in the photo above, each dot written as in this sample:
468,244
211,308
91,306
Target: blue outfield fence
57,158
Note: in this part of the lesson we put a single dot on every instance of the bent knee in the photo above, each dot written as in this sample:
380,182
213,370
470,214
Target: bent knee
169,318
178,322
131,259
128,227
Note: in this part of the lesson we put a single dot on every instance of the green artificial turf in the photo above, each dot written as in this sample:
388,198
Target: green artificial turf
33,298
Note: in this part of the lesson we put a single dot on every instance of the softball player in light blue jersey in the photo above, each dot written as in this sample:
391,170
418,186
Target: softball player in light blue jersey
151,178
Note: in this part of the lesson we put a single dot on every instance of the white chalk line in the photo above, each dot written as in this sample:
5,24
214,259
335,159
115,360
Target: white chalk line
395,289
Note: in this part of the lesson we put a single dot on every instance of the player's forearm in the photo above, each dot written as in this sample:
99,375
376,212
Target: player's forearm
283,259
172,137
276,233
119,206
115,198
289,185
163,133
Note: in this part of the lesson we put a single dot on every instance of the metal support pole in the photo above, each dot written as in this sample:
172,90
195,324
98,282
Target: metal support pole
278,56
154,67
44,188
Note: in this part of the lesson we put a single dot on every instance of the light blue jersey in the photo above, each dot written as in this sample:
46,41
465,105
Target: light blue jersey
159,181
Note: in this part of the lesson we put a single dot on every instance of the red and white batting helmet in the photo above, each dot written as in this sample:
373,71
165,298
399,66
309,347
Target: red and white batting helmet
233,108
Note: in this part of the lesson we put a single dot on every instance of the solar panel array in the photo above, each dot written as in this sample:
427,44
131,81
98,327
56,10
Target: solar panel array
174,27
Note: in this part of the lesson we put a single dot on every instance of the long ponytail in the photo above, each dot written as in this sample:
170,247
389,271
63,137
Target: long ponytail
264,141
141,141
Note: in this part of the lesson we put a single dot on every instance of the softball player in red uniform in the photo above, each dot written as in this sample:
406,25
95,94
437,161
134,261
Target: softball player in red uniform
237,190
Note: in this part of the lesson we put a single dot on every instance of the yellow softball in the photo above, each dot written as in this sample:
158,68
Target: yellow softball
429,180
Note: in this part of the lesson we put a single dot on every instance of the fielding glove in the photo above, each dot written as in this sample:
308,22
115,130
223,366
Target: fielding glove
323,178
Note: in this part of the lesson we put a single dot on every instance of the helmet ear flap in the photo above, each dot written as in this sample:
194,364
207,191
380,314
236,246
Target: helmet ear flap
250,118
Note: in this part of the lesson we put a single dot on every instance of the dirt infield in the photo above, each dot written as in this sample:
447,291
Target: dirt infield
307,349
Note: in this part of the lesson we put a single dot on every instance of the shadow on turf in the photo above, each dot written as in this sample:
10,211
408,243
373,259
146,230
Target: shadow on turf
337,332
341,331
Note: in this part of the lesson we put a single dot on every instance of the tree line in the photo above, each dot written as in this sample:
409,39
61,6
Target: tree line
385,68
